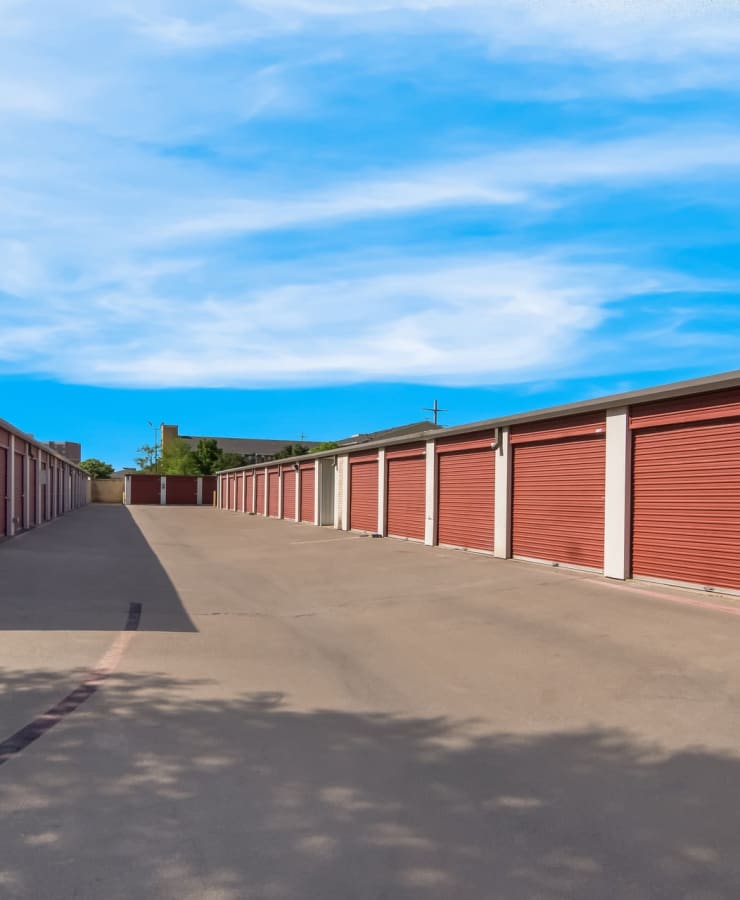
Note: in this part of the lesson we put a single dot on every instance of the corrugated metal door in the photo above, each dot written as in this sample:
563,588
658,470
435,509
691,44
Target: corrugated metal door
209,489
240,492
289,493
465,492
20,491
232,492
3,491
308,493
686,503
145,489
181,490
558,500
261,493
406,493
363,492
273,493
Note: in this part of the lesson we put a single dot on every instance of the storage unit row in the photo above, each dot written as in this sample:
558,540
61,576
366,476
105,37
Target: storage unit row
36,485
169,490
650,489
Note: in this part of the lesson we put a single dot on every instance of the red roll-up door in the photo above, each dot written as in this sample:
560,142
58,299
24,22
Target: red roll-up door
240,492
558,501
686,503
19,491
289,493
181,490
232,492
209,489
406,492
145,489
250,492
273,493
307,510
261,493
3,491
363,492
465,492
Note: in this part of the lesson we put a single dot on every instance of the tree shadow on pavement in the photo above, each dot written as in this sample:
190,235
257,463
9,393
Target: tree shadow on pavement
158,790
81,572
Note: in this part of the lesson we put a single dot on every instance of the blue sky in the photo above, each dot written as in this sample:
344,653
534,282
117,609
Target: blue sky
275,217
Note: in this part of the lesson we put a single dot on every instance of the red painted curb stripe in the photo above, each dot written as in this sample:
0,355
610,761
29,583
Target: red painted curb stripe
106,665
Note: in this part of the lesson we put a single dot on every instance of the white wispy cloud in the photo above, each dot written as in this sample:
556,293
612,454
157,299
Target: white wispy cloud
525,175
457,321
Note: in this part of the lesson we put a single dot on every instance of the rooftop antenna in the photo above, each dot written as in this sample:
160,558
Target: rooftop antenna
435,409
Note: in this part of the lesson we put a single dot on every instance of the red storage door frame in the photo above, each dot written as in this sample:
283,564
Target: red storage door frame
181,490
466,483
686,490
288,511
406,492
260,493
232,492
240,491
363,492
273,493
307,510
145,490
250,492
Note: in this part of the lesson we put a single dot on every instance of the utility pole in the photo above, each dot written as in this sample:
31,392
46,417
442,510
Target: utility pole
436,410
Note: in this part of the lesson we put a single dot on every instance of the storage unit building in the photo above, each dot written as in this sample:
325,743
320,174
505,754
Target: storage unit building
405,502
307,511
289,479
558,490
273,493
466,491
686,490
363,491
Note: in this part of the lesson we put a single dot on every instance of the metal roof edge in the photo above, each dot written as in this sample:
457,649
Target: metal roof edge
40,445
687,388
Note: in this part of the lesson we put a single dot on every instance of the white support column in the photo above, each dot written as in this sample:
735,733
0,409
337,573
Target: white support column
345,494
317,493
298,477
339,464
127,490
199,490
381,490
617,499
502,497
430,519
27,489
280,492
163,490
10,529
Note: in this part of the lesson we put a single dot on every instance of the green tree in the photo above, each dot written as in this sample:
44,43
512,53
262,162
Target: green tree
96,468
207,457
231,461
178,459
147,460
292,450
327,445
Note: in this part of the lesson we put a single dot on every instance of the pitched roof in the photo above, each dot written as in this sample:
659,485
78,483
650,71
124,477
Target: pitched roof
398,431
247,446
